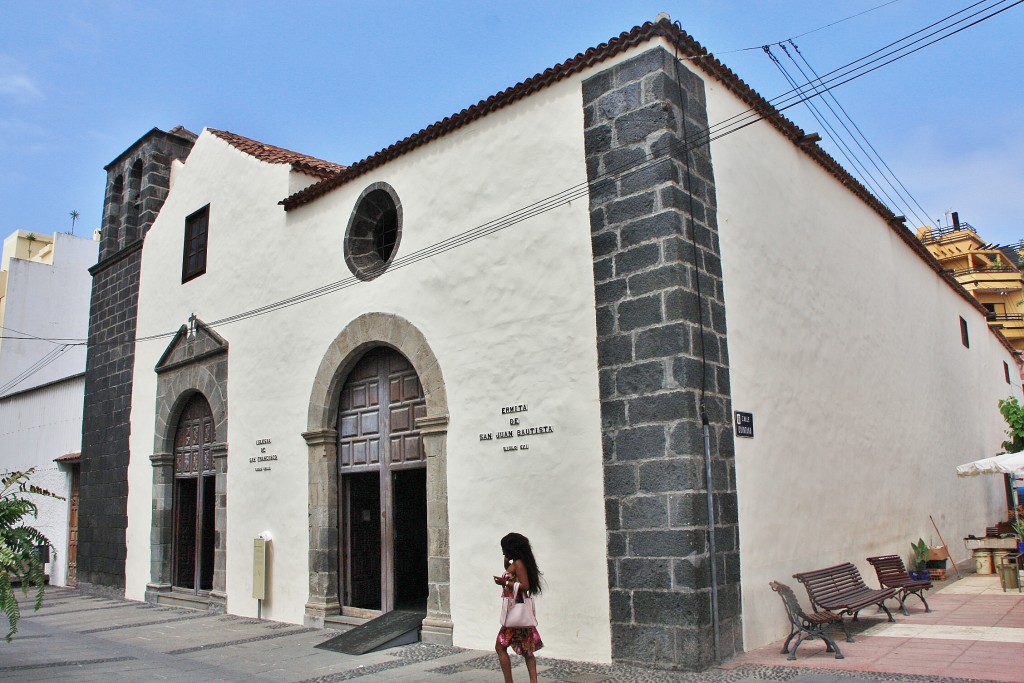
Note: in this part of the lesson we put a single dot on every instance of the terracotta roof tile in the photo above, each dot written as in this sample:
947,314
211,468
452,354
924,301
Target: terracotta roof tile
638,35
69,457
699,57
277,155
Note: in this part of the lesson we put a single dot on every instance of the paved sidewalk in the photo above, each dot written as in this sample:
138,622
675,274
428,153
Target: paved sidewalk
974,632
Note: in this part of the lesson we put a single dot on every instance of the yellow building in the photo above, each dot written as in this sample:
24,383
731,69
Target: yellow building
991,273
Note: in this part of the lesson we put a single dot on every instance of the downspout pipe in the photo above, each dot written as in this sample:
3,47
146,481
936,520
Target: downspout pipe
711,533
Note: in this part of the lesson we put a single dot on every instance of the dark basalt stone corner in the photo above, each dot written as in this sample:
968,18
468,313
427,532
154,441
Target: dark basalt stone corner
661,344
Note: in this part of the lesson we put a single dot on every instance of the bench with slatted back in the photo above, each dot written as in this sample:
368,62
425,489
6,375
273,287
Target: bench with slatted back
893,574
841,590
803,626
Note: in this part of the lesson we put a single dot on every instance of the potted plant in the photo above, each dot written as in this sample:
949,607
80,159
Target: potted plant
1018,528
920,570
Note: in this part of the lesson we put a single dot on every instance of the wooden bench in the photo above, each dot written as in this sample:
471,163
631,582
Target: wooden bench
806,626
840,590
892,574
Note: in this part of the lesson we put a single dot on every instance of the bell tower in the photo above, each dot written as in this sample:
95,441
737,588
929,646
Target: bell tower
138,181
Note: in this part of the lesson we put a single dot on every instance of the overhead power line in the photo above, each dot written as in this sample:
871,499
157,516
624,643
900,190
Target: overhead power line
822,84
39,365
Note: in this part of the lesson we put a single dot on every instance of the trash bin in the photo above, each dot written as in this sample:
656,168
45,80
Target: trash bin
983,561
1008,576
997,557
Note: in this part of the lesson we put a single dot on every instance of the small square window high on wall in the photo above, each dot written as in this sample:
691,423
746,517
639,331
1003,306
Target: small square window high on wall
963,334
193,260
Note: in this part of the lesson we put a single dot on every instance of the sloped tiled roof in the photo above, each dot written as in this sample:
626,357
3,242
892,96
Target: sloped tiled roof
697,55
69,457
277,155
183,132
688,48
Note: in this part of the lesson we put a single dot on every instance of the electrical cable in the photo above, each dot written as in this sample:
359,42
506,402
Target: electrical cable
849,154
705,424
29,335
861,133
902,202
840,143
852,70
855,73
39,365
730,125
814,30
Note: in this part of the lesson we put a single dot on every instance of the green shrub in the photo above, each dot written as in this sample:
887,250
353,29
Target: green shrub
19,557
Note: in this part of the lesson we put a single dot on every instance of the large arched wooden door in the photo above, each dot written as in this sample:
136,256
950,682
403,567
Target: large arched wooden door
382,481
194,497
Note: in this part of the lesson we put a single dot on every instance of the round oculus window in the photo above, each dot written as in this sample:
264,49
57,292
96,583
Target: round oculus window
374,231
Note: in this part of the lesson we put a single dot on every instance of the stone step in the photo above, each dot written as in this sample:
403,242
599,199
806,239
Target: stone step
184,600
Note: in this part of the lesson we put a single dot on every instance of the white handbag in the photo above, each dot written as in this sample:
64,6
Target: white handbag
518,614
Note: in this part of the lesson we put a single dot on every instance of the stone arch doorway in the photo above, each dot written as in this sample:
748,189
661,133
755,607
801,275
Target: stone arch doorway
382,486
194,498
370,332
192,371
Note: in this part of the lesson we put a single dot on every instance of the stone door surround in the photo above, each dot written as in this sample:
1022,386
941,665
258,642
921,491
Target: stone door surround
196,361
363,333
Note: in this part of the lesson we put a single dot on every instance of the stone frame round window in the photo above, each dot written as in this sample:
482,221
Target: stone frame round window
374,231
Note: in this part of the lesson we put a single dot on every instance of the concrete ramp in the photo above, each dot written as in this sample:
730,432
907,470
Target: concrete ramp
388,630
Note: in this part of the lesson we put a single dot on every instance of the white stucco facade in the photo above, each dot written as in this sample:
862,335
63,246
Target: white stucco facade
528,341
845,345
842,341
45,295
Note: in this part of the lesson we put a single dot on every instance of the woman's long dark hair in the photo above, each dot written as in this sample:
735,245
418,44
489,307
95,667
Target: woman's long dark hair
517,547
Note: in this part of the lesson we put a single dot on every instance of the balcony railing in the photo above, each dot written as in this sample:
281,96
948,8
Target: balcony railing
985,269
935,234
995,317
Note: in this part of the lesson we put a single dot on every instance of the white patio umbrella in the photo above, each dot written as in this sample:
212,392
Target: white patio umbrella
1004,463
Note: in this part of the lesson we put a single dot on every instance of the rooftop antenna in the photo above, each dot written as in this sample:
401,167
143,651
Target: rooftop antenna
74,217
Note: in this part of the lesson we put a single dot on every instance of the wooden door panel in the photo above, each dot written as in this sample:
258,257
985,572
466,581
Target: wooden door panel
406,449
363,519
369,423
401,419
186,500
349,426
379,404
73,527
194,497
359,417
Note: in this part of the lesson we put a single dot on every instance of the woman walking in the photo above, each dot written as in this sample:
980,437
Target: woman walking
521,568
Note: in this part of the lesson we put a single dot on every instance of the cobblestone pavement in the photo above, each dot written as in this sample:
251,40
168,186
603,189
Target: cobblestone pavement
81,637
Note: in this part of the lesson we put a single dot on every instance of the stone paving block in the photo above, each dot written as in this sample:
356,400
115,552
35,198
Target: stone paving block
53,649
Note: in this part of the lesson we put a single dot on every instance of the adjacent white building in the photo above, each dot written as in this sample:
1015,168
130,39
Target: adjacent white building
521,318
44,310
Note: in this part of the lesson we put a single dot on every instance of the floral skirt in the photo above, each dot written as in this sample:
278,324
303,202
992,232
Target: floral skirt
524,641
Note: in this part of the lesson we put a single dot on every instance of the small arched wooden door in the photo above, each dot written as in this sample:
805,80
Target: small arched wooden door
383,486
194,497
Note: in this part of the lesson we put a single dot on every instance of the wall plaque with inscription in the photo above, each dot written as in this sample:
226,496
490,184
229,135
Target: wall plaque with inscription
745,425
263,460
515,429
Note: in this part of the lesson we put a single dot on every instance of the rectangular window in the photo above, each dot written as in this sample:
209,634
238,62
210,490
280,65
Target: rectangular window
1006,371
963,334
193,262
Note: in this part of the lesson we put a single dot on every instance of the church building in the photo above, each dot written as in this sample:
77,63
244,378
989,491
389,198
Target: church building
683,357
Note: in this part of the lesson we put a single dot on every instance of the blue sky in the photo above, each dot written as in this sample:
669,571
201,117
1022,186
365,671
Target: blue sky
80,81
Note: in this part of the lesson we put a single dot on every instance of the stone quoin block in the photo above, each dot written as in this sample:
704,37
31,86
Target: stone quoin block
652,189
